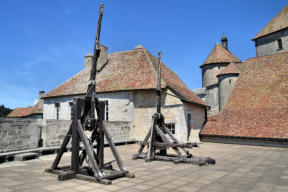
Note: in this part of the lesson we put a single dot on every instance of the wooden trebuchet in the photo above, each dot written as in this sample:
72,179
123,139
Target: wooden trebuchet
159,138
84,120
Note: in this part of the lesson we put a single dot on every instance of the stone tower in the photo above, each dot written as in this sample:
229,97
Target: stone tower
217,60
226,81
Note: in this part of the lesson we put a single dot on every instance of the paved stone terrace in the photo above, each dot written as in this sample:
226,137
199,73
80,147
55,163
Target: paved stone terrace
238,168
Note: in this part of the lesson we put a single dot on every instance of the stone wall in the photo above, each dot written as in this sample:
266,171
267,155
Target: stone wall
18,134
121,131
54,132
268,44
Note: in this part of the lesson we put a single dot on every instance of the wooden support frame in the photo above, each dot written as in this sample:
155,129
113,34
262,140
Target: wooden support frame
84,120
157,142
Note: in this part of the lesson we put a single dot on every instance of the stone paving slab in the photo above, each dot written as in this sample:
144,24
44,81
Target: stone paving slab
238,168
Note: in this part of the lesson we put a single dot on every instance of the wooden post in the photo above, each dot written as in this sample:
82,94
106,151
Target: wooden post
159,84
100,139
75,161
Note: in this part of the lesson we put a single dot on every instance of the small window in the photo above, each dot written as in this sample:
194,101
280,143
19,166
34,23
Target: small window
280,46
106,110
57,105
230,81
171,127
71,110
218,66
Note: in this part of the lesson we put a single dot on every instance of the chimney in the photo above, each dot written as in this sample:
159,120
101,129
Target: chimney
88,61
224,41
41,101
102,60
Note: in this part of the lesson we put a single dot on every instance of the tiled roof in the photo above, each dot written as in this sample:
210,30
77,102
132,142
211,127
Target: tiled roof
23,112
258,104
129,70
220,55
280,21
230,69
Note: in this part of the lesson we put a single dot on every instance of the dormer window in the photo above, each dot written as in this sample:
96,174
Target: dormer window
280,46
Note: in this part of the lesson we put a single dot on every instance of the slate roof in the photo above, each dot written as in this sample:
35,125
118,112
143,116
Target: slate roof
280,21
230,69
258,104
220,55
24,112
129,70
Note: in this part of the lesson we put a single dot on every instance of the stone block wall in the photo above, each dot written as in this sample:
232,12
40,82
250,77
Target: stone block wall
18,134
121,131
54,132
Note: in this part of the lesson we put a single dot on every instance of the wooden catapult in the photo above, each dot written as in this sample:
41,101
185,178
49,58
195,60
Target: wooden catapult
157,141
84,120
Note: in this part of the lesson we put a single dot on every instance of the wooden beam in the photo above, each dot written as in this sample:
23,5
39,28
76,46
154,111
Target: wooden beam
89,151
62,148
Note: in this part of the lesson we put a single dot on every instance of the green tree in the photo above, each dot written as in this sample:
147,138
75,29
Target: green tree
4,111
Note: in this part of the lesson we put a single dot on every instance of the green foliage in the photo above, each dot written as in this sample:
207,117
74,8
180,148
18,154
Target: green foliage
4,111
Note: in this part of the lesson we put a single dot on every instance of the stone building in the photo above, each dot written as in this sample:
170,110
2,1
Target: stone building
256,108
214,74
126,81
34,112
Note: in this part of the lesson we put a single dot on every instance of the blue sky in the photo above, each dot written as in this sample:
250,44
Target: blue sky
43,43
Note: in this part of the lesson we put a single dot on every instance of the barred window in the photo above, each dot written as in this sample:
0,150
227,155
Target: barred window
171,127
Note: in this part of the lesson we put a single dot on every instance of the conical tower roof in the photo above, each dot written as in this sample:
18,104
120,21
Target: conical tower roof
230,69
280,21
220,55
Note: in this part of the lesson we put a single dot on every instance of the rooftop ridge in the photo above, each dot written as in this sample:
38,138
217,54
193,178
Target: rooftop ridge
277,23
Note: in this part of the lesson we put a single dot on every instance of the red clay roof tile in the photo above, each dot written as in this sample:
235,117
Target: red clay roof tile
258,104
129,70
23,112
220,55
230,69
280,21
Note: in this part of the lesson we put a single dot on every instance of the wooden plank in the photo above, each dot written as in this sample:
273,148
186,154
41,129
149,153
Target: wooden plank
89,151
144,142
151,149
165,139
93,179
158,144
175,140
